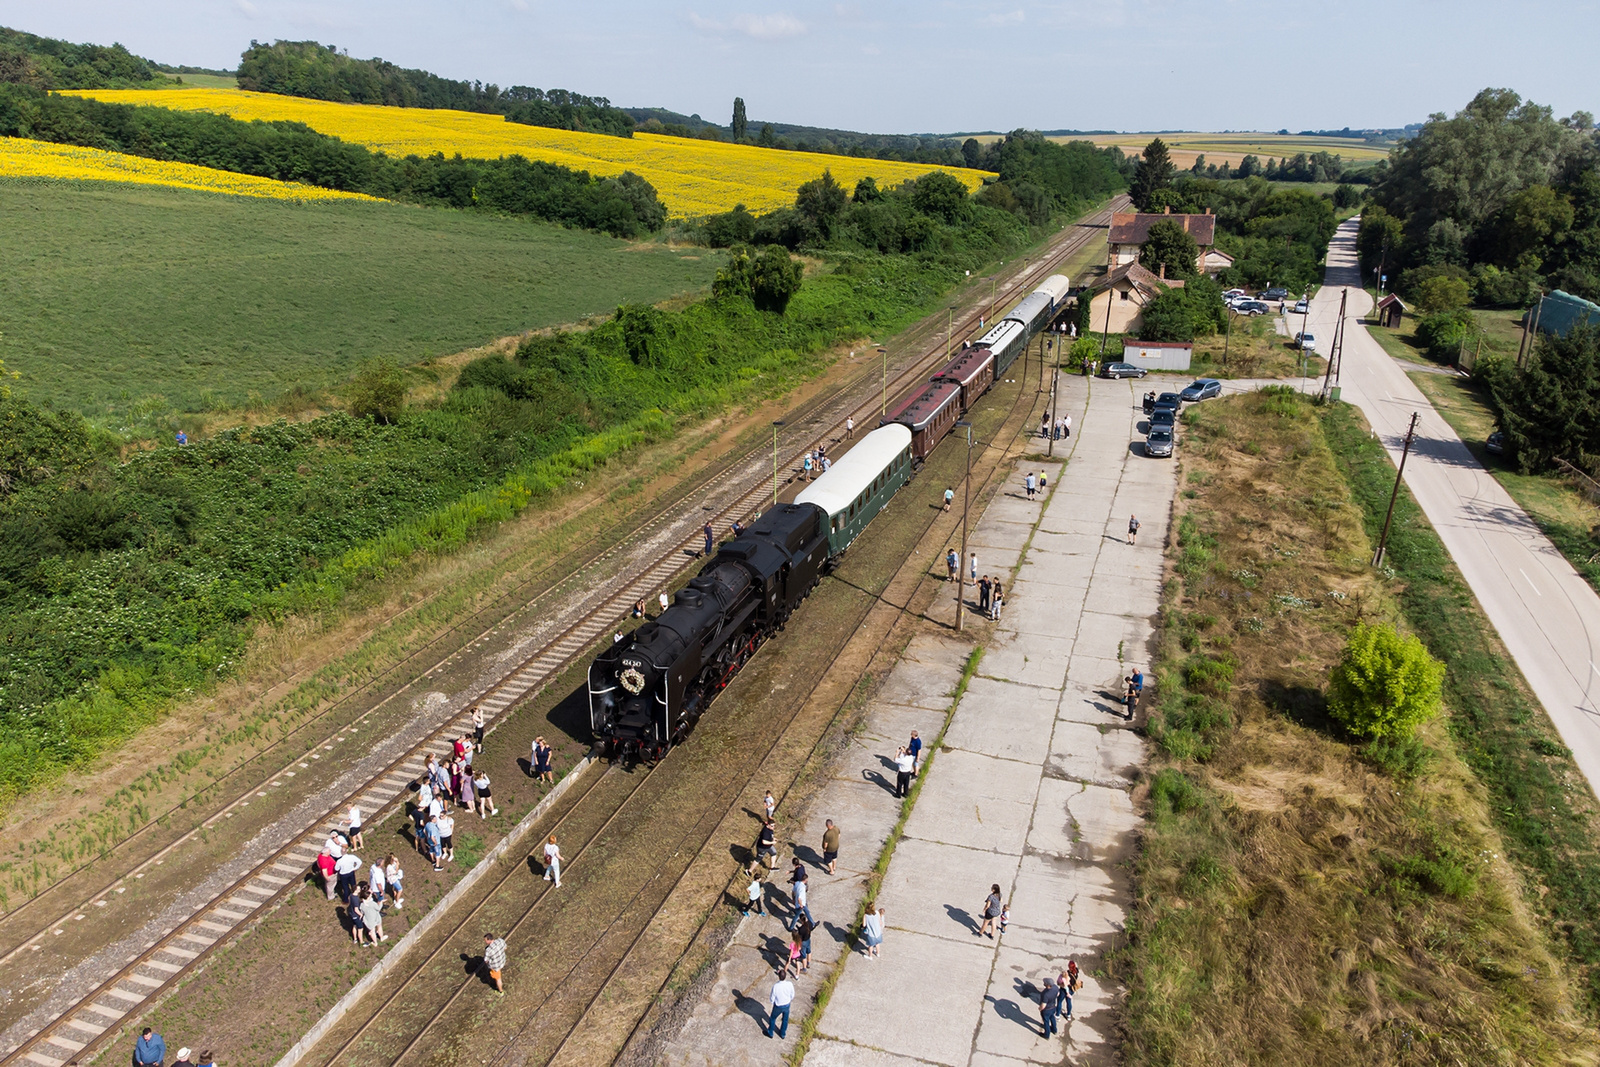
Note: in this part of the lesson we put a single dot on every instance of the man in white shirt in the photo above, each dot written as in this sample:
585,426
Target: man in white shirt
346,867
782,998
904,764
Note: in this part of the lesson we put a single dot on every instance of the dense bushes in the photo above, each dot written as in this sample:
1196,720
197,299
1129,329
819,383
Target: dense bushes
1551,408
1277,236
625,206
321,72
126,586
46,63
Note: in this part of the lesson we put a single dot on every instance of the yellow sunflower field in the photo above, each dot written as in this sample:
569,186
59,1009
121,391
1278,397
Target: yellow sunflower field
692,177
21,158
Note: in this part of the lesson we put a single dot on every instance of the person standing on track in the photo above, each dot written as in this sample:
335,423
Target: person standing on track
477,712
710,539
540,766
346,868
849,427
552,861
805,468
480,785
394,879
494,961
767,844
356,840
150,1050
830,845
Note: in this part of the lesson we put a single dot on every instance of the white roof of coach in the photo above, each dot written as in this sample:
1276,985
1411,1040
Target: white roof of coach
1055,287
998,335
852,472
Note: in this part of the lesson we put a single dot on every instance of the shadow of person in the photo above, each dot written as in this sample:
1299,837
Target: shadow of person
750,1006
840,934
962,916
878,779
473,965
806,854
776,949
1009,1010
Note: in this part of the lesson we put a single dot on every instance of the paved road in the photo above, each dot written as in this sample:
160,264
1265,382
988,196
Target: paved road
1548,616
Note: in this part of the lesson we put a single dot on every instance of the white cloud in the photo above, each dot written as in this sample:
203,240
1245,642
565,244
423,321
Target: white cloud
762,27
246,8
1006,18
769,27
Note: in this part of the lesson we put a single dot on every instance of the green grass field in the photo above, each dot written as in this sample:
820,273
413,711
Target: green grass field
129,303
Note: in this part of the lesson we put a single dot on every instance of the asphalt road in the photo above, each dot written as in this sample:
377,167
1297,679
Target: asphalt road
1548,616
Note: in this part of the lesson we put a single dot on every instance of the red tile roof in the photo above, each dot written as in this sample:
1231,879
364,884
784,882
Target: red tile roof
1133,228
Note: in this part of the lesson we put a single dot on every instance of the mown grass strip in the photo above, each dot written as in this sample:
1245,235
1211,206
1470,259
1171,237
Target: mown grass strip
1540,804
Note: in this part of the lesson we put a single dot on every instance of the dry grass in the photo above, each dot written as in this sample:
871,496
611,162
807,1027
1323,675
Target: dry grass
1301,899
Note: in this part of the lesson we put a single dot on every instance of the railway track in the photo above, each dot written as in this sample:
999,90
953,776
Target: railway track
148,975
596,951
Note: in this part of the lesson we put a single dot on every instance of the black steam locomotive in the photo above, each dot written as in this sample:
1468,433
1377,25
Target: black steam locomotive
646,691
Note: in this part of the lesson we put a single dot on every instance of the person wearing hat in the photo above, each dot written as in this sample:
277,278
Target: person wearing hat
183,1059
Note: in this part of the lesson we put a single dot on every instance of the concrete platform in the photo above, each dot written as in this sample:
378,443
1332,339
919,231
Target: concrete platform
1029,788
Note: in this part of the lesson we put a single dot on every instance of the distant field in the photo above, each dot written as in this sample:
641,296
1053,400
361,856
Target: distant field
22,158
1233,147
129,302
692,177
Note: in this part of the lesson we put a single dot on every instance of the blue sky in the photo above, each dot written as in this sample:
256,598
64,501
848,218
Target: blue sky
924,67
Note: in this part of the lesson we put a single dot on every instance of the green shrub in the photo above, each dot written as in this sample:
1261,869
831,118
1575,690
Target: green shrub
1444,334
1173,793
1443,294
1439,871
1209,675
378,392
1386,684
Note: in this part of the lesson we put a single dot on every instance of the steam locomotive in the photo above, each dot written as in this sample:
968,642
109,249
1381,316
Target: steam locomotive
647,691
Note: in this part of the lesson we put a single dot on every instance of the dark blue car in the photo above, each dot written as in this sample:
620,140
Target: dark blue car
1201,389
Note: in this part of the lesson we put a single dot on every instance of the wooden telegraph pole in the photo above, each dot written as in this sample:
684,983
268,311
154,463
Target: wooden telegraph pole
1383,541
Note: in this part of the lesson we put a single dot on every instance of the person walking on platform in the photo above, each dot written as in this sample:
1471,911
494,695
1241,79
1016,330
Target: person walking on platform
951,562
830,845
903,765
991,911
983,594
782,997
1133,529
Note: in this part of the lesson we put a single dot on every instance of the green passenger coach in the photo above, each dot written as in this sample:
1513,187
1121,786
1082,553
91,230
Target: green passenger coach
860,483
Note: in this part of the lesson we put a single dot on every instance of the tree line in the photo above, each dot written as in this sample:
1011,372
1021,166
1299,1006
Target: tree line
932,216
321,72
47,63
623,206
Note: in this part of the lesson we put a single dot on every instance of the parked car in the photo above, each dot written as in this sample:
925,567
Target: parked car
1305,341
1275,293
1159,443
1301,307
1163,419
1234,293
1496,443
1122,370
1201,389
1252,307
1169,400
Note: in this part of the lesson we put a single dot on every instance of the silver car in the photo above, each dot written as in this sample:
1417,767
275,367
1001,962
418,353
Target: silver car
1159,443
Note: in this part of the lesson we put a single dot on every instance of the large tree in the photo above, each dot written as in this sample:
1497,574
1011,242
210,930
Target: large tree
741,123
1551,408
1170,249
1152,173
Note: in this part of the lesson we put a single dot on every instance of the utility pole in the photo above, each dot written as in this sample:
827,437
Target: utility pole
884,352
1227,338
949,329
1383,540
966,500
1336,349
1055,398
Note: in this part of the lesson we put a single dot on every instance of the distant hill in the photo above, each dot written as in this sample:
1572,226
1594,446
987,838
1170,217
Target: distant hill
47,63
